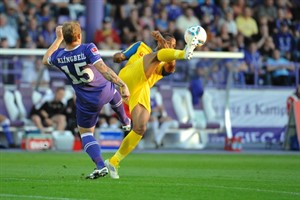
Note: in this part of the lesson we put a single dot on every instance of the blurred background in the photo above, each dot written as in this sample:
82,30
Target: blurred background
247,99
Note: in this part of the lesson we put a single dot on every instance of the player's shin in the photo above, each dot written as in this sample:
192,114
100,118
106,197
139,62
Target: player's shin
117,106
167,55
92,148
128,144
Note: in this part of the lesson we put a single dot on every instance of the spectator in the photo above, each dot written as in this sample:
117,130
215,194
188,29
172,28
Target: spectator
186,20
296,52
224,38
225,8
246,24
76,9
229,22
268,10
160,122
180,43
5,124
284,41
174,10
294,6
238,7
280,69
45,14
196,85
253,59
14,14
267,48
51,113
146,19
48,33
209,9
240,42
286,7
262,36
34,31
281,18
31,12
238,67
107,37
39,74
130,28
9,32
71,116
126,9
161,23
4,42
146,36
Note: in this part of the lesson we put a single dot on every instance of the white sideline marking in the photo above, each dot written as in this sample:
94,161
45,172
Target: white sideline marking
180,184
244,188
252,189
35,197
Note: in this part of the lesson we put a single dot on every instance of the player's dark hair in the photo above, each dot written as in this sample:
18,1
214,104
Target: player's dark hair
70,31
167,36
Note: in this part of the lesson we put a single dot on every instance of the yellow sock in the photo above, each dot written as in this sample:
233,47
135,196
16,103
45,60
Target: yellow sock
167,55
127,145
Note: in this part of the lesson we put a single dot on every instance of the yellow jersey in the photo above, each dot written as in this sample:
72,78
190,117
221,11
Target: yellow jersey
134,76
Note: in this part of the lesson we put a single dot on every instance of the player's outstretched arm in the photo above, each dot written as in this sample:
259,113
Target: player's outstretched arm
110,75
55,45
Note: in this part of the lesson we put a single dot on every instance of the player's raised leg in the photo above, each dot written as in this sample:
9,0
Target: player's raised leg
192,42
168,55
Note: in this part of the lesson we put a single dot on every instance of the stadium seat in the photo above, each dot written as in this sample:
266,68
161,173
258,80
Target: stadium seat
178,105
210,114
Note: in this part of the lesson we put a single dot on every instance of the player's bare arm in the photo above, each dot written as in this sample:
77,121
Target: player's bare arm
160,39
55,44
110,75
164,43
119,57
170,66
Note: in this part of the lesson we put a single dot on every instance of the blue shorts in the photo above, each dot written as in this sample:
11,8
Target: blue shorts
90,103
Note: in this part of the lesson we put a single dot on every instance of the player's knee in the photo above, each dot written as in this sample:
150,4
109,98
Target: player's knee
140,128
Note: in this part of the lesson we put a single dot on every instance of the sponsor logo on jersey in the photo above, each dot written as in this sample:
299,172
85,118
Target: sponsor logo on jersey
94,50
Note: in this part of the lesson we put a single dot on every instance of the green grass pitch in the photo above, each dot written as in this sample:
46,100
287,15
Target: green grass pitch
151,176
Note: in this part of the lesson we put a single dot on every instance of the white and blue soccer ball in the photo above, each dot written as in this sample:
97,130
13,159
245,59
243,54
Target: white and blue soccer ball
193,31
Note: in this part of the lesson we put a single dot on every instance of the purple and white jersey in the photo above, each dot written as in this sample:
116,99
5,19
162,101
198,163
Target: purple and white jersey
91,88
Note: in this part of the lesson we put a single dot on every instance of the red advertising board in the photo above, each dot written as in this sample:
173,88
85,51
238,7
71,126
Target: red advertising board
297,118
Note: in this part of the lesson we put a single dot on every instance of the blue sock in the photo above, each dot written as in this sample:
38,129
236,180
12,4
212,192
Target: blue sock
92,148
117,105
7,133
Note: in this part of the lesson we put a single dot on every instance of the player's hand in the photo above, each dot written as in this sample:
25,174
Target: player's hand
119,57
157,36
125,93
59,33
170,67
160,39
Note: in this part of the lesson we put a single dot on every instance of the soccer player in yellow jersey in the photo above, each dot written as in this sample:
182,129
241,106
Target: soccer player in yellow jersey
143,69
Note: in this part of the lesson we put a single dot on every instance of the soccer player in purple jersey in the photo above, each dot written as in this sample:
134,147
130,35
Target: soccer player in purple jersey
94,85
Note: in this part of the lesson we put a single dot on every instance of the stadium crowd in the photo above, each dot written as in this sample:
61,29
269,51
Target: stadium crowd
268,32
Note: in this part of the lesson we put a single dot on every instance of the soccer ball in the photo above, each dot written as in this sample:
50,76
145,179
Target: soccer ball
195,31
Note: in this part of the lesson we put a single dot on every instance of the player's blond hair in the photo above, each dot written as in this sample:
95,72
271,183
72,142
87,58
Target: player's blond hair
70,31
